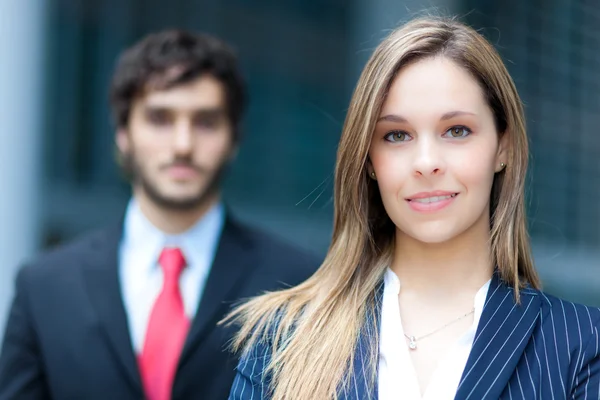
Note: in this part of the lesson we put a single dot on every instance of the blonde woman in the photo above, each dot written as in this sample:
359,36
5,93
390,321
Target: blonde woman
428,290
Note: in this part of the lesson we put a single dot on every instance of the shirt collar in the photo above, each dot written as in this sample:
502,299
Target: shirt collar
198,243
392,284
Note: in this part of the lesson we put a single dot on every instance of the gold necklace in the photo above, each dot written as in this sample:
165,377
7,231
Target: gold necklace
412,344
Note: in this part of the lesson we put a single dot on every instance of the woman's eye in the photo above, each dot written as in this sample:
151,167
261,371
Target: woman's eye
397,136
458,132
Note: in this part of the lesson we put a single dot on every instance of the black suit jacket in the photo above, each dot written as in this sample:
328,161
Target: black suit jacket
67,335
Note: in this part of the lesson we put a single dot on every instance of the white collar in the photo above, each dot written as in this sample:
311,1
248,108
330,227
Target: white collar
195,243
392,283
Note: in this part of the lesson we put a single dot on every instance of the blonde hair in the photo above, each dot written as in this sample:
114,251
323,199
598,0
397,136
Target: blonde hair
313,328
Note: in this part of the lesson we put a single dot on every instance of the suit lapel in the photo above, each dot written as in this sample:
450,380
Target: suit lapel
233,262
102,281
502,334
362,382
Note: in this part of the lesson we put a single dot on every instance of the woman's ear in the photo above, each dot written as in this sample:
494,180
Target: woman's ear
370,169
502,153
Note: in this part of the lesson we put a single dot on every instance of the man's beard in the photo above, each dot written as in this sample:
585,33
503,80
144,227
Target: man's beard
204,194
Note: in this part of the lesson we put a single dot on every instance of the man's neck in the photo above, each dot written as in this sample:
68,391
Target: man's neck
173,221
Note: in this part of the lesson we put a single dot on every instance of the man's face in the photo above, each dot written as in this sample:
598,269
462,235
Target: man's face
178,142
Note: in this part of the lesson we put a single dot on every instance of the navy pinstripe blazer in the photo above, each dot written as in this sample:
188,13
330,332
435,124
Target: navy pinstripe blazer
543,348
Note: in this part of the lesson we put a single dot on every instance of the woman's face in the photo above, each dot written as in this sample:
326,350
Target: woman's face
435,151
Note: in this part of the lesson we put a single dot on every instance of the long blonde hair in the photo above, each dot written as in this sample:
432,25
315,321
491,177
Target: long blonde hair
313,327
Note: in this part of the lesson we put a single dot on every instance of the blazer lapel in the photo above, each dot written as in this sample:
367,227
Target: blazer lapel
362,383
102,280
503,332
234,260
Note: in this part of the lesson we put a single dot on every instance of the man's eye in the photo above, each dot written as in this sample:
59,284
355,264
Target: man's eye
158,117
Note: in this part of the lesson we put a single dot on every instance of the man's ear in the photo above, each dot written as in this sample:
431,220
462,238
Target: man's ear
122,140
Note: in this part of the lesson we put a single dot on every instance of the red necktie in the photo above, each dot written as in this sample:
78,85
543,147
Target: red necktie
167,330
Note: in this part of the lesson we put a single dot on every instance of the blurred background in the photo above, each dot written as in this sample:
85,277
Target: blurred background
301,59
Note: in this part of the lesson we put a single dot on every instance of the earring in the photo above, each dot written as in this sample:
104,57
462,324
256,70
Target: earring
373,174
502,165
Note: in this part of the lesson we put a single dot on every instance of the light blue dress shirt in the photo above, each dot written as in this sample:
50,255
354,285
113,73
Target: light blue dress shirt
140,275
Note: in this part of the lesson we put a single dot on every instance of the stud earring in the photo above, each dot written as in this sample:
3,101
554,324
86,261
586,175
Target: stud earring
373,174
502,165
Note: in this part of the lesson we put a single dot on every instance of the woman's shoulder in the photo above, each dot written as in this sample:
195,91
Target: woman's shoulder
576,324
264,336
564,308
252,379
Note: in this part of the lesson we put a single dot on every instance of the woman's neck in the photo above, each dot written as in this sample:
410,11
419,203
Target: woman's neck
463,263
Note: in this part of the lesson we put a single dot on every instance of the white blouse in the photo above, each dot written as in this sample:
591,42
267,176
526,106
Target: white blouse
397,376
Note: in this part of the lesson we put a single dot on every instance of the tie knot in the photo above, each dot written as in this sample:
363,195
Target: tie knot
172,262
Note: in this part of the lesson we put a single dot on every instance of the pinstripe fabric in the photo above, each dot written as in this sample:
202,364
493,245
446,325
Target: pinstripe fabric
543,348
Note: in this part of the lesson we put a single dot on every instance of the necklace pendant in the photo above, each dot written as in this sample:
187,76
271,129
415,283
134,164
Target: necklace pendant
412,344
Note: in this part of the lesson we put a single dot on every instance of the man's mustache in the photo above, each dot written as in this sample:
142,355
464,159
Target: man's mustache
184,163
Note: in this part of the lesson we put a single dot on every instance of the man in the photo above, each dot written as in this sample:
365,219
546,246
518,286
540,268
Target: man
130,312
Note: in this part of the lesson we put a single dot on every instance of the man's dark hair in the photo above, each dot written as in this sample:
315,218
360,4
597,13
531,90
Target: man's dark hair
170,58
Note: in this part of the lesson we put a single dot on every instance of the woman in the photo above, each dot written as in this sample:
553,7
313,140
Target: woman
428,290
